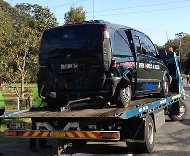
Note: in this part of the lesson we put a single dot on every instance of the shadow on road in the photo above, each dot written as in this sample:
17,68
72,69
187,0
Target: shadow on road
166,153
185,121
101,149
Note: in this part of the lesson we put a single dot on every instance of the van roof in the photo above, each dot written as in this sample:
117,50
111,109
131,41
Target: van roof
108,24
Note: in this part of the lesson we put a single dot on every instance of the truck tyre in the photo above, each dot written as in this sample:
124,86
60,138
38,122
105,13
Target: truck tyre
177,111
149,138
125,95
165,87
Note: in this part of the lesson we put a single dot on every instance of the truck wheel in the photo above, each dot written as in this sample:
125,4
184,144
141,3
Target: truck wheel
165,87
149,138
124,97
177,111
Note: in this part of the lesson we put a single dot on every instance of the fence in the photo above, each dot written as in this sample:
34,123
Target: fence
13,102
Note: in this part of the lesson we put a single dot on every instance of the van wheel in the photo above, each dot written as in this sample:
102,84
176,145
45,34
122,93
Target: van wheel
124,97
165,87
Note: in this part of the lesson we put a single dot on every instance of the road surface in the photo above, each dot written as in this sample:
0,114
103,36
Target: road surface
172,139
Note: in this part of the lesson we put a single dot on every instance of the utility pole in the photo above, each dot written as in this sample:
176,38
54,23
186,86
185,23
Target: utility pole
179,36
93,8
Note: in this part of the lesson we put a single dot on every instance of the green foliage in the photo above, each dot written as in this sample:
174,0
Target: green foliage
75,15
36,17
21,28
184,49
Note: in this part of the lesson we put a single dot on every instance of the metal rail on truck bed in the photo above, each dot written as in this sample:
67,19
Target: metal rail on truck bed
137,108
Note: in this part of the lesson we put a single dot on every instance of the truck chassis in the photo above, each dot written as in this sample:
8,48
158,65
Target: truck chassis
83,122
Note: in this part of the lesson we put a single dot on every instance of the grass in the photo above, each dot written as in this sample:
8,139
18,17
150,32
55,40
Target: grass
11,105
10,95
26,85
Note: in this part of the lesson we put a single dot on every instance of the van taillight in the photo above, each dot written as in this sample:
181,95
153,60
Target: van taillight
113,63
106,33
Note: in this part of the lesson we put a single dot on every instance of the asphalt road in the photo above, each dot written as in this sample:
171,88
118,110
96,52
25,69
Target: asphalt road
172,139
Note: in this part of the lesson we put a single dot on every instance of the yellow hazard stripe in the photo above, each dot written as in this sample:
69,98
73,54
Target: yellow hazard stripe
26,133
176,96
80,134
36,133
91,134
69,134
45,134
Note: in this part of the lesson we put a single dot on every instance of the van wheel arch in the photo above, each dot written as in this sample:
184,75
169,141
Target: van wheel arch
124,93
165,84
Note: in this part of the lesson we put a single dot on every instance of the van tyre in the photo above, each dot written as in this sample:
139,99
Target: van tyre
125,95
177,111
165,87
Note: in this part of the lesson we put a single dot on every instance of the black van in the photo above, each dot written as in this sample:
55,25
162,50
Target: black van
99,60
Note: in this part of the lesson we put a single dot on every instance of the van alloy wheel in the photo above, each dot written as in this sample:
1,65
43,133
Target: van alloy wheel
124,97
165,87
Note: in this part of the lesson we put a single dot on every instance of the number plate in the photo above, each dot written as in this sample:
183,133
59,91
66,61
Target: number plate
57,134
69,66
17,126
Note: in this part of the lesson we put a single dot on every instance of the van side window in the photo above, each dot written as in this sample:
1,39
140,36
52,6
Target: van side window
144,47
136,41
121,44
137,44
151,48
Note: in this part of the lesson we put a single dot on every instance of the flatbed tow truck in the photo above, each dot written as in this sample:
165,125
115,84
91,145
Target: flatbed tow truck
136,125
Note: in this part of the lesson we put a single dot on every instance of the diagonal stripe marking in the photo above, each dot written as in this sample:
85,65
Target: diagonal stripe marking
69,134
45,134
91,134
36,133
80,135
97,134
26,133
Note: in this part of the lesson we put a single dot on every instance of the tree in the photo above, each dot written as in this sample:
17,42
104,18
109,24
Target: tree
36,17
21,28
6,30
75,15
181,45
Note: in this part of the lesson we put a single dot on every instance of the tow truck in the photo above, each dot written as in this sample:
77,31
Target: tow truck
82,122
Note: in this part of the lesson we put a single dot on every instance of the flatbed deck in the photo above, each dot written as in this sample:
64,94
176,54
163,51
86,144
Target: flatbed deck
82,110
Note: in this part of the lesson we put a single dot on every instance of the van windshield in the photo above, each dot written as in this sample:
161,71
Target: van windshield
87,37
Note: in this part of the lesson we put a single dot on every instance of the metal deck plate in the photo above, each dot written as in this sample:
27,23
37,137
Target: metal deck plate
82,110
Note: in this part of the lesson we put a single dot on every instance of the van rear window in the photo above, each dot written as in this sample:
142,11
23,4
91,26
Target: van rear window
74,36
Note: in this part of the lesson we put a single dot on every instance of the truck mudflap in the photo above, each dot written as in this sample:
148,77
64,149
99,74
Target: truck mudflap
89,135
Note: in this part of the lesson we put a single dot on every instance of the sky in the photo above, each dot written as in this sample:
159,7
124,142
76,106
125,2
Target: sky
160,20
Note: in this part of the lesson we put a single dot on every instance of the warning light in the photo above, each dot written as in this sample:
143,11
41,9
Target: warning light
170,49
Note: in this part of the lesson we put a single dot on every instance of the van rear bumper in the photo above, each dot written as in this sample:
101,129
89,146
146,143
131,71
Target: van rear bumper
107,91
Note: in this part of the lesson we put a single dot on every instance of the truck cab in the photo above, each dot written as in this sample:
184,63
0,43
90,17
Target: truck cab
172,61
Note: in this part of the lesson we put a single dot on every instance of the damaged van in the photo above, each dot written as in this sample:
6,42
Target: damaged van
99,60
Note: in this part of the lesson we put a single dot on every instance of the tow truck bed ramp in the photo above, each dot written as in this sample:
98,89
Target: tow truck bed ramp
136,108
